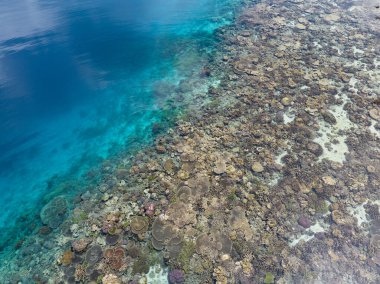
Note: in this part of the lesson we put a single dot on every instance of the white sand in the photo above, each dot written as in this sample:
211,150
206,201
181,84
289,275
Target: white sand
329,133
319,227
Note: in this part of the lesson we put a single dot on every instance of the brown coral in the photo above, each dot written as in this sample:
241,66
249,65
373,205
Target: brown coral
139,225
164,235
114,257
80,273
80,245
67,257
213,245
181,214
238,221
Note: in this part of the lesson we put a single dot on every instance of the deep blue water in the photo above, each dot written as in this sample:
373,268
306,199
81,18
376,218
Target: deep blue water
78,80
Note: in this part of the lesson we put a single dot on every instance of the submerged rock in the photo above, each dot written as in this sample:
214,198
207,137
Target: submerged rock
304,222
329,117
54,213
93,255
374,113
112,239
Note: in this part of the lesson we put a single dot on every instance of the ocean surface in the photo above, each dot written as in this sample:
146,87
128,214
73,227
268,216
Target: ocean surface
81,81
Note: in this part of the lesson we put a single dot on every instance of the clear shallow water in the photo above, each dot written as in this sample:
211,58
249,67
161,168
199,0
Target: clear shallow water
79,82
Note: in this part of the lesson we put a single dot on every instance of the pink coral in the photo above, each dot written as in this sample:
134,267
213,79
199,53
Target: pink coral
149,209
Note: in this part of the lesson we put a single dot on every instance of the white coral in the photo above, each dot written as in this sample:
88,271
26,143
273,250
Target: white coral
111,279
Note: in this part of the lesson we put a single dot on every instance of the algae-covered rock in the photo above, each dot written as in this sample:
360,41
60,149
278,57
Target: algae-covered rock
67,258
54,213
93,255
184,257
220,167
374,113
269,278
238,221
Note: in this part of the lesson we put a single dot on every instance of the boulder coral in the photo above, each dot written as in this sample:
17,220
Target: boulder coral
54,213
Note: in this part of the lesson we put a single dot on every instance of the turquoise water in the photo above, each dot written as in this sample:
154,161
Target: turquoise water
82,81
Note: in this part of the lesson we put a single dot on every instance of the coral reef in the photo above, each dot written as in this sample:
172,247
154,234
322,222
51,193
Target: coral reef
270,176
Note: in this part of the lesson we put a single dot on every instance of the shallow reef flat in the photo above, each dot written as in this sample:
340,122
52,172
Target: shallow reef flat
271,176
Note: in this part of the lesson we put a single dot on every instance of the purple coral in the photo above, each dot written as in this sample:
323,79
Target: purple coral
149,209
176,276
304,222
106,227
